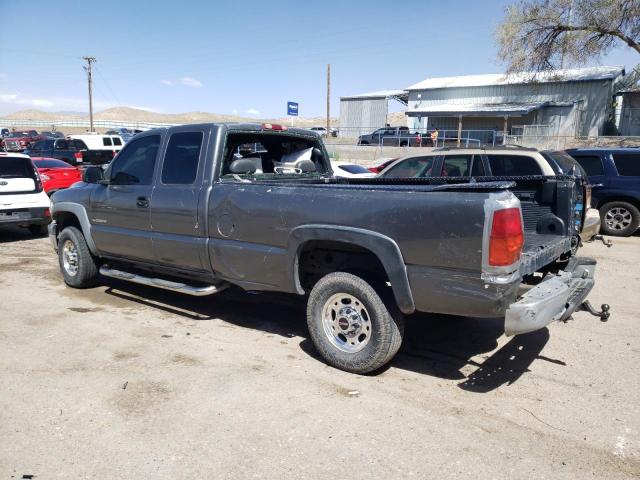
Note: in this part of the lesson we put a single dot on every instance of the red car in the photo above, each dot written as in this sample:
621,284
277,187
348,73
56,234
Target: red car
56,174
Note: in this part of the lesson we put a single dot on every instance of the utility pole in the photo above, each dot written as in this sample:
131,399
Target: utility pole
328,100
90,60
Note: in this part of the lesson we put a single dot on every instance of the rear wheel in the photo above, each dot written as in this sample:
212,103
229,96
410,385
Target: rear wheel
620,219
350,324
79,268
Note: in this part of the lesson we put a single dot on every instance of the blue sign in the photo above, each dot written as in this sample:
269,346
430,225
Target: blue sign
292,109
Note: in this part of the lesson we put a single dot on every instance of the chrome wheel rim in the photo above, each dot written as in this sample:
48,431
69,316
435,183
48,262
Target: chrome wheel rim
346,323
70,258
618,218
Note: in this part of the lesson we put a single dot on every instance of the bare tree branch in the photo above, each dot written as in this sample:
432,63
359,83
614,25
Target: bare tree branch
546,34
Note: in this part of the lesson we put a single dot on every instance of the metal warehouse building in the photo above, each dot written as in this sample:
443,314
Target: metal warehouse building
573,102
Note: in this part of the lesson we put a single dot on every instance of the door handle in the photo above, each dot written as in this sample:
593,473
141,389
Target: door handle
142,202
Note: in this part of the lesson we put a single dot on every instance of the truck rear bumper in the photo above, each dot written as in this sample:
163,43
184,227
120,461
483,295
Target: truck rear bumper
555,298
591,225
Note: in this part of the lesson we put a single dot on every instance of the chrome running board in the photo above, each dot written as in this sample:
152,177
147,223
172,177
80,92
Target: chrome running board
165,284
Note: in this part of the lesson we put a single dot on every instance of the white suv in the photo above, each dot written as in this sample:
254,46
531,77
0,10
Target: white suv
512,161
23,201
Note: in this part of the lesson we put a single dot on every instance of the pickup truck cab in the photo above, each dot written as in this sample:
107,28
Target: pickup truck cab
615,177
392,136
20,140
196,208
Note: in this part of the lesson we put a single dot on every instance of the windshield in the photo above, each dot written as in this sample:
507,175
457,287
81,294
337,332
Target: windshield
18,134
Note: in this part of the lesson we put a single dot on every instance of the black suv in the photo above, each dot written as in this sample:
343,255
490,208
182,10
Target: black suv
615,177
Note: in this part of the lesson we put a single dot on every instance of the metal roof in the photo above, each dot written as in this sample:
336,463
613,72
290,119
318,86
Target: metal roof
567,75
475,109
400,95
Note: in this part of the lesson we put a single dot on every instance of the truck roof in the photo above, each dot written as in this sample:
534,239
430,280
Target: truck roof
257,127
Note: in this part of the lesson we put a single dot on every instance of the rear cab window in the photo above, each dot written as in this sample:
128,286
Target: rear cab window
627,164
513,165
265,155
106,141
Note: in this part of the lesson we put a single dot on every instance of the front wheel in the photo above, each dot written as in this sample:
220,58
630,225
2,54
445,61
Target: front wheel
620,219
78,266
350,325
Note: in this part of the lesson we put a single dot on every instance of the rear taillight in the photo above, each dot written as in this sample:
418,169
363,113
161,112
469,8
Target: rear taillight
78,157
507,238
47,212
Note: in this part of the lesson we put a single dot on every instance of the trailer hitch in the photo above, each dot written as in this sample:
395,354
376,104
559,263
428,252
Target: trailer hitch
607,242
603,314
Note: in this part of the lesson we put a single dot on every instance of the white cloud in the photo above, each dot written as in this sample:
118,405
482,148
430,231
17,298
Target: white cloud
190,82
253,111
58,103
168,83
234,111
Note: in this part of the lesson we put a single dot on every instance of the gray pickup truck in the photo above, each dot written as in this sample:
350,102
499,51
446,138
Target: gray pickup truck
197,208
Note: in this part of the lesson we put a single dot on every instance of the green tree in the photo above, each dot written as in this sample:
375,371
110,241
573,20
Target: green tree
539,35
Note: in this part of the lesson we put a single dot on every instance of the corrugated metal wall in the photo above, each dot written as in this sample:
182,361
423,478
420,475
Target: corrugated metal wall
362,116
585,118
630,114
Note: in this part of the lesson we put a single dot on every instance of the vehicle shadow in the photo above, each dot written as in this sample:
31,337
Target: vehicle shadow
16,234
437,345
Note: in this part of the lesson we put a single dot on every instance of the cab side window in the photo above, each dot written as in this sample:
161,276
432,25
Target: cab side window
592,164
181,160
513,165
136,162
458,165
106,141
628,165
411,168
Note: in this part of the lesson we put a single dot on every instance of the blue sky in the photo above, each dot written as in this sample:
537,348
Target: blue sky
246,57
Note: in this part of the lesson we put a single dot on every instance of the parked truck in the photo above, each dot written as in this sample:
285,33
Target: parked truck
196,208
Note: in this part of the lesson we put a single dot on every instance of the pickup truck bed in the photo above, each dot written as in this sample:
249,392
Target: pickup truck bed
214,212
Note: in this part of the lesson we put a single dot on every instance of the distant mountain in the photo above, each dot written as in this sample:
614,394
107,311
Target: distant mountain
137,115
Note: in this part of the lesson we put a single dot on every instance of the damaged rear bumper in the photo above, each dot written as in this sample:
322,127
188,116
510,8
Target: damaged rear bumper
554,299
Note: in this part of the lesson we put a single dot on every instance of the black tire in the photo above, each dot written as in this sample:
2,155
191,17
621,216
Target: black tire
36,229
385,322
622,221
86,275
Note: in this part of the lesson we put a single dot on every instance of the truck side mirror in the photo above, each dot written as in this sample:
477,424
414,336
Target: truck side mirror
93,175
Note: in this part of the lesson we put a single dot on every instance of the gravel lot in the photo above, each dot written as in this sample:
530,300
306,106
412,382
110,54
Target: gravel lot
128,382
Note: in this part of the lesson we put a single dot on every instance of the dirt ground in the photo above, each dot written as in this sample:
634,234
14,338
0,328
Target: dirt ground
129,382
